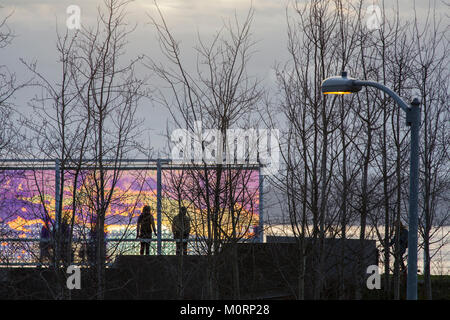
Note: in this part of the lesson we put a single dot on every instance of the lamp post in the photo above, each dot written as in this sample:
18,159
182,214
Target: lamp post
345,85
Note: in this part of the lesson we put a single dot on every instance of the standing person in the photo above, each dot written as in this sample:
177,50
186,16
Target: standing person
92,244
181,227
145,226
66,250
44,244
400,239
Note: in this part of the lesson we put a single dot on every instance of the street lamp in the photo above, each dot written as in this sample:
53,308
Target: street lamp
345,85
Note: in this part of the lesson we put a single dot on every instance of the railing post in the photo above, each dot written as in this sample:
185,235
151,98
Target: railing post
57,194
57,209
158,206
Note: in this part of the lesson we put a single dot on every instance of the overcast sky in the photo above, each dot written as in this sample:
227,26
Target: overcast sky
34,23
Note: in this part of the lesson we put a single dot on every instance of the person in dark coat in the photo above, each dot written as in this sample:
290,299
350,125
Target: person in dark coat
181,227
145,226
44,244
66,250
92,244
400,243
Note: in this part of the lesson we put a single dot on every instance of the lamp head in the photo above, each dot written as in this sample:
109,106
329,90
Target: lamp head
339,85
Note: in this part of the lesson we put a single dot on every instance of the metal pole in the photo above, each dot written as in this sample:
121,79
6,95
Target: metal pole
413,119
57,208
158,205
57,194
261,207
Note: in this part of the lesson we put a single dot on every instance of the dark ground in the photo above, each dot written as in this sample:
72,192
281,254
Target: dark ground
266,271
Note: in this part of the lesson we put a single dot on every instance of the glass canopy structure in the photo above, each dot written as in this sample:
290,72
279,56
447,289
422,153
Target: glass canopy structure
35,193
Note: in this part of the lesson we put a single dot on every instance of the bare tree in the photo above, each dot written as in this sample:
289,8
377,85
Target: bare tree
311,149
431,78
221,95
345,158
9,132
109,99
88,121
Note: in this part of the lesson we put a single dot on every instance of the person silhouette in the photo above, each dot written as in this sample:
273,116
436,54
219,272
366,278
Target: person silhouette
66,250
181,226
145,226
93,241
44,244
400,243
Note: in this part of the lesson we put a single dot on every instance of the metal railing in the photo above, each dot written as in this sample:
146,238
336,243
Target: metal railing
29,248
132,164
23,252
27,252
